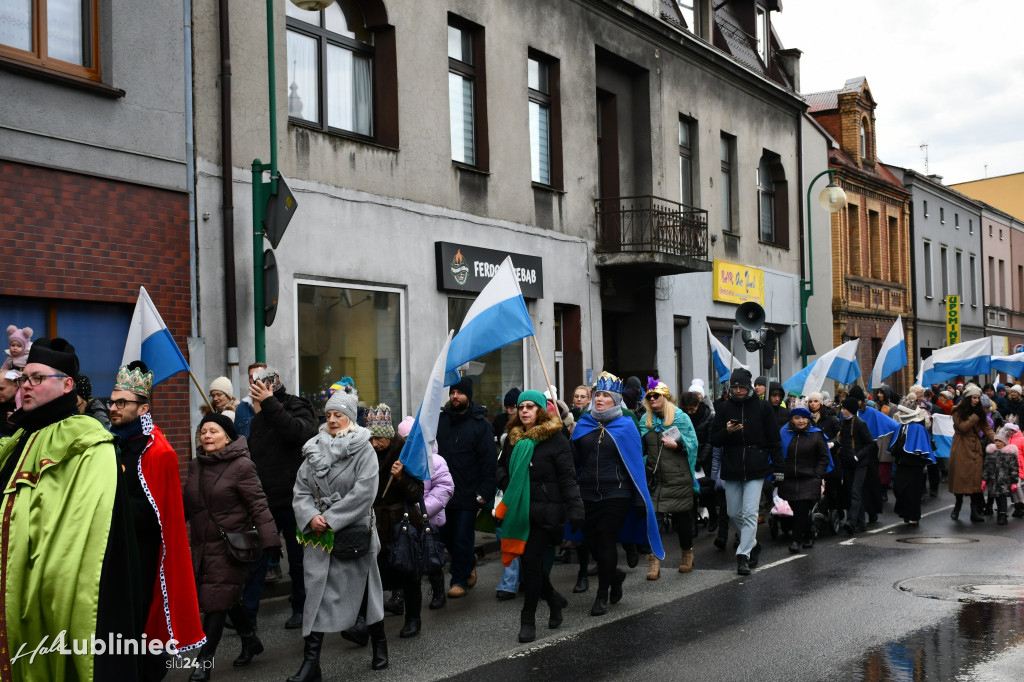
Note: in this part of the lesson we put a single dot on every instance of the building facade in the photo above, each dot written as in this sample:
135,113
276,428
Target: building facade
95,182
1004,192
871,283
946,243
607,147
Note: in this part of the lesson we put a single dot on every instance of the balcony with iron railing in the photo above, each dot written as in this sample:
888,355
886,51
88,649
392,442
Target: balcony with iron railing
666,237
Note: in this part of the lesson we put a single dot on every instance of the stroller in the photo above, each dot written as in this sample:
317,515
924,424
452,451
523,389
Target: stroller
780,518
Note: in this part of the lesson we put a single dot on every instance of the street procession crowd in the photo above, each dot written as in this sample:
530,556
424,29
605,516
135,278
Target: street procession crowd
95,545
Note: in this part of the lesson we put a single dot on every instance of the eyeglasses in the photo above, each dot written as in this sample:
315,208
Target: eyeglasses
36,379
654,396
528,406
121,402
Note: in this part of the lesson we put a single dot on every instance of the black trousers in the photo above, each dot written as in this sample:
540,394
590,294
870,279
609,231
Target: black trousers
533,574
603,522
801,519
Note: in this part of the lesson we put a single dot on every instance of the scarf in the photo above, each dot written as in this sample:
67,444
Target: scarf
514,509
323,450
608,415
142,426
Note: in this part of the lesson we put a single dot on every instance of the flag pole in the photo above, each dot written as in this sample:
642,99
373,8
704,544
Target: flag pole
391,477
547,380
201,392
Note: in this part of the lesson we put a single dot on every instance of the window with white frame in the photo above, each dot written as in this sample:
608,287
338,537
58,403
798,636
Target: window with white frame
686,128
927,258
545,120
466,94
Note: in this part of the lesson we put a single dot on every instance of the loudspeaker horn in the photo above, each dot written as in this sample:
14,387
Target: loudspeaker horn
750,316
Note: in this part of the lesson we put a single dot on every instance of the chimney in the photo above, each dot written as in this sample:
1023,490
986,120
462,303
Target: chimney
789,60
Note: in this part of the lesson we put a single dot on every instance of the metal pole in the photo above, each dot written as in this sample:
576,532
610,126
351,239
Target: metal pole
807,285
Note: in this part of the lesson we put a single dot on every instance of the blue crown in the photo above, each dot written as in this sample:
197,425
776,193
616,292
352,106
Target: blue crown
608,382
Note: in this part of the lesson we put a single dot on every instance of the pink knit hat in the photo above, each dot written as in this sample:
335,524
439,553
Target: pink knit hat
406,426
24,336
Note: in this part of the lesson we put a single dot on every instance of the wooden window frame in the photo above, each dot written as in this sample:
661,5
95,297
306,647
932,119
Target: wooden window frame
551,100
37,60
477,74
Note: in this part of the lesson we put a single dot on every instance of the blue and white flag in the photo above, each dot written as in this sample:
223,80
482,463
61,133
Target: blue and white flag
942,434
724,362
892,357
419,445
839,364
1010,364
969,358
497,317
149,340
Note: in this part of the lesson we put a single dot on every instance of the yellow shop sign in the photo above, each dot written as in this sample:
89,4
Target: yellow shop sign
737,283
952,320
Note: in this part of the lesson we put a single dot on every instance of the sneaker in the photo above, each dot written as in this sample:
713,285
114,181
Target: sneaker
721,542
294,623
505,596
396,604
438,600
457,591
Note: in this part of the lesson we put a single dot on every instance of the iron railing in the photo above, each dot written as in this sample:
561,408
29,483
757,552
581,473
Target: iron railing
650,224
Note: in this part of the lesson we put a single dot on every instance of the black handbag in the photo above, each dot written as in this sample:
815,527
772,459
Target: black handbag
404,548
432,551
353,542
243,547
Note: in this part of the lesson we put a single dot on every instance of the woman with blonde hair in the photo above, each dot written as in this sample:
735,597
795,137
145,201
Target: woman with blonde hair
670,452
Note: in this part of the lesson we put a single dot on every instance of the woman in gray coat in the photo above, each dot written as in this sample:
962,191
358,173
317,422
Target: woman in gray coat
335,489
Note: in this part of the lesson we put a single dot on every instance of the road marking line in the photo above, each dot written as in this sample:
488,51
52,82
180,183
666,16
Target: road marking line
897,525
782,561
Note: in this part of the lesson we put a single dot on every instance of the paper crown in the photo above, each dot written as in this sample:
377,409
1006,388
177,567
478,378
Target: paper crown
609,383
656,386
136,381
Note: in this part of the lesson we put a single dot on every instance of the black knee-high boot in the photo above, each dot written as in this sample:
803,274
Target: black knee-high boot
380,646
213,626
310,669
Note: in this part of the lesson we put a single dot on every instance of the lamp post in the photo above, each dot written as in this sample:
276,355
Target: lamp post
262,191
831,199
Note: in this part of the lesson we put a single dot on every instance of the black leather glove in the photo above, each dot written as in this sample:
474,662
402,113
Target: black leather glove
273,553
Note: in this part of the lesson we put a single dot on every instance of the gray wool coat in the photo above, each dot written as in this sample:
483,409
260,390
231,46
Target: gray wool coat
334,587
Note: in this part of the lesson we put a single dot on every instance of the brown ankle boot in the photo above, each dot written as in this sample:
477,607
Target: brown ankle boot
653,567
686,565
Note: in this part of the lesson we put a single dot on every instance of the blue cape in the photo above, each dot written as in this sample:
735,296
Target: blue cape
918,442
636,529
878,423
787,436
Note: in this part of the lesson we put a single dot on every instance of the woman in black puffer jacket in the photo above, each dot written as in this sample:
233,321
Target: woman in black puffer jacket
553,495
806,458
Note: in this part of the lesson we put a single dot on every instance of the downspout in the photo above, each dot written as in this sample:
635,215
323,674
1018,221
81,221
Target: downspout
804,333
227,197
190,167
914,350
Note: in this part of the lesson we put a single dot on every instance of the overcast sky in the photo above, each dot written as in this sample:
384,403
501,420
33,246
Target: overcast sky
946,72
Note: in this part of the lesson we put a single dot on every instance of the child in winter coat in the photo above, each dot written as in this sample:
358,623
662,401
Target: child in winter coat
1017,440
19,341
1000,473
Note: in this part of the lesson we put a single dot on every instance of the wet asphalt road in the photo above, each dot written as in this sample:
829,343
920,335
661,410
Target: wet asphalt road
835,612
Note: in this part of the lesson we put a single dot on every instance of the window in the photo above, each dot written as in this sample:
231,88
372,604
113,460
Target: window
942,215
925,208
344,330
991,280
874,245
761,27
467,101
853,223
928,292
686,127
970,225
1002,283
765,201
341,75
974,279
1020,287
894,251
545,120
956,220
944,264
728,151
688,10
55,35
990,229
864,140
494,373
959,260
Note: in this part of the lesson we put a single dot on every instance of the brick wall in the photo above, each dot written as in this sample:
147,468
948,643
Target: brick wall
74,236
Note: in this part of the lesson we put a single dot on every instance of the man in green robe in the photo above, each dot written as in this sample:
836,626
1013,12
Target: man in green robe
63,540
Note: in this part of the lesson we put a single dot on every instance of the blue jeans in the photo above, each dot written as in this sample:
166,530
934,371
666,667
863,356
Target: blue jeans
284,519
510,574
459,535
742,499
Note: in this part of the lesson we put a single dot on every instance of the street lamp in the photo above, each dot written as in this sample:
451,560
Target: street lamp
831,200
262,191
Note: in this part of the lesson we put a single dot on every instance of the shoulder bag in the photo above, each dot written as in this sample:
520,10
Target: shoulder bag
351,542
243,547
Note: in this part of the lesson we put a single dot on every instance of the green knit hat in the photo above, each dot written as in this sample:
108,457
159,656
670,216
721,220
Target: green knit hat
535,397
378,420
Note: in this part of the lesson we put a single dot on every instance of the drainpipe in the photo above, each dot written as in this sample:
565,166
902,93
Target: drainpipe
227,197
804,256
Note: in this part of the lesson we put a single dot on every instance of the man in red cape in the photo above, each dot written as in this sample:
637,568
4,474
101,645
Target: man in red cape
170,606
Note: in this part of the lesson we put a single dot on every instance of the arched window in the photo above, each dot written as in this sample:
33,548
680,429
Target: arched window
341,75
864,140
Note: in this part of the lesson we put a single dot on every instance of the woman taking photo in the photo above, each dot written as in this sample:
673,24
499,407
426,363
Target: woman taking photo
966,455
334,493
223,493
535,470
670,457
805,463
610,470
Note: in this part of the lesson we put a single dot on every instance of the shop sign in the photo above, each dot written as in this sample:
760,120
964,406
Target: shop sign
737,283
464,268
952,320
